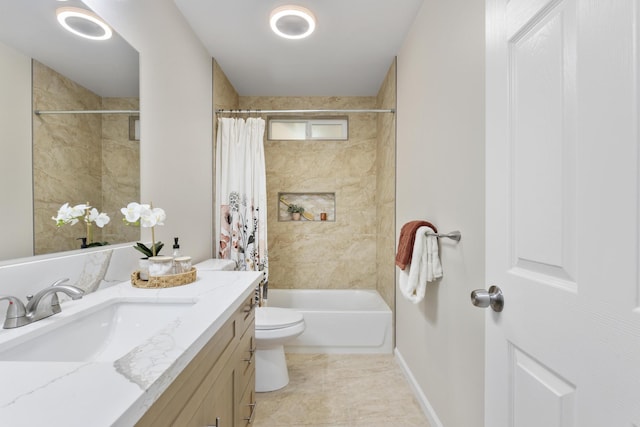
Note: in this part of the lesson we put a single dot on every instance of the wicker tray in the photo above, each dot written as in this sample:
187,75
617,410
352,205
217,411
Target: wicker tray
168,281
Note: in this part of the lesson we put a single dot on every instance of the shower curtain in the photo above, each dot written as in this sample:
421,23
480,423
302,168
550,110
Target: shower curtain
241,194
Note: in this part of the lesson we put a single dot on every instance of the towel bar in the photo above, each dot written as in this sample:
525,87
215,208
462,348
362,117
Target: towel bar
454,235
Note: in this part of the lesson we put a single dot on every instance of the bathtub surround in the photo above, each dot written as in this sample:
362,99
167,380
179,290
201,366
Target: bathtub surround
365,162
361,173
386,189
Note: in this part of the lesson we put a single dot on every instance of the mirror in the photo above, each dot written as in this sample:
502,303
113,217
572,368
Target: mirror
50,159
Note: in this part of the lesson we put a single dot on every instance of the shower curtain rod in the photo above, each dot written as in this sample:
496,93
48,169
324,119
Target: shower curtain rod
39,112
241,111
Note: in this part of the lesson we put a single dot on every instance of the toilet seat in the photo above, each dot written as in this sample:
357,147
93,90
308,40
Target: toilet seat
270,318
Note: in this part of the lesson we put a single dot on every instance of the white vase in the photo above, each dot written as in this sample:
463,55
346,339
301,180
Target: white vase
143,264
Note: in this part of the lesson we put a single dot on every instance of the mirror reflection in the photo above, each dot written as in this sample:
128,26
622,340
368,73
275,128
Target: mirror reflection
50,159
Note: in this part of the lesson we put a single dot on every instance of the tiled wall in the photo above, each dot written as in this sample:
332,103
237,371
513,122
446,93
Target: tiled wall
224,94
386,190
340,254
78,158
357,250
120,169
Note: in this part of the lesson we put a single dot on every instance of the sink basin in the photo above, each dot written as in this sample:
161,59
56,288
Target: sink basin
101,333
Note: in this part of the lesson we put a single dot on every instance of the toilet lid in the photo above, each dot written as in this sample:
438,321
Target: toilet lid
275,317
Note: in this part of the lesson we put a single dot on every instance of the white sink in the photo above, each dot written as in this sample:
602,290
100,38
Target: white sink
104,332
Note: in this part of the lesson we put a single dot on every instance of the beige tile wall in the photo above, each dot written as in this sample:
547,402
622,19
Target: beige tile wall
386,190
77,159
120,169
224,94
340,254
357,250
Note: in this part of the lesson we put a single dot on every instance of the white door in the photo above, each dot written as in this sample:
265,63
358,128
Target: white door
562,203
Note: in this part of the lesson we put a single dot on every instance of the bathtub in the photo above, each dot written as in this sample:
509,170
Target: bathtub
338,320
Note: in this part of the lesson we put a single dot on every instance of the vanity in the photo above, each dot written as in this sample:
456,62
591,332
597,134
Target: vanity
124,356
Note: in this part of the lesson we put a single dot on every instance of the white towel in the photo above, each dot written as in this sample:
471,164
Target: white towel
425,266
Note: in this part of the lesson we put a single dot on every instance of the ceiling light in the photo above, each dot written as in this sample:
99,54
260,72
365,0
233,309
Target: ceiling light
292,22
83,23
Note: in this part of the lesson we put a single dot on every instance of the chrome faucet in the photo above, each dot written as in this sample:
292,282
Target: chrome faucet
36,309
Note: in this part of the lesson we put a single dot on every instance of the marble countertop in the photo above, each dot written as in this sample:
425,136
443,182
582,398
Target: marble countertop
118,393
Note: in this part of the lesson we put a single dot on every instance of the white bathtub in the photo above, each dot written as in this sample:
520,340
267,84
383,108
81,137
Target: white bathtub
338,321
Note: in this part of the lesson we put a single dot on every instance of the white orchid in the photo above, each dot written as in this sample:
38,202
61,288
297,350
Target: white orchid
72,215
152,217
69,215
148,217
132,212
143,215
99,218
83,212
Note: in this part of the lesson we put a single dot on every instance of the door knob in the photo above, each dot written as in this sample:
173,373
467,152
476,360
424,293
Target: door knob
493,297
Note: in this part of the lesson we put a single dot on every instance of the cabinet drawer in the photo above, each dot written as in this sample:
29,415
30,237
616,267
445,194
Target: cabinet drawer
246,364
247,313
246,413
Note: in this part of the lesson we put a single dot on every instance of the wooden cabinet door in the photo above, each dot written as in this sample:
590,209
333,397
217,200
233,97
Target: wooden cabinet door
219,402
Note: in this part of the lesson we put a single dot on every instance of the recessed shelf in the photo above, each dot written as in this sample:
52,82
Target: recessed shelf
314,204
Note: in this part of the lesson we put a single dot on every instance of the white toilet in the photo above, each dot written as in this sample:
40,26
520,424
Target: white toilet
274,327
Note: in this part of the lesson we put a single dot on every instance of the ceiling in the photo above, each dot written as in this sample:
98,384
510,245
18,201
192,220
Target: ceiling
108,68
349,54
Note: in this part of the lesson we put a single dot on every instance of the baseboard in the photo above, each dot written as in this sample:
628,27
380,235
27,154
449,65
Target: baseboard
428,410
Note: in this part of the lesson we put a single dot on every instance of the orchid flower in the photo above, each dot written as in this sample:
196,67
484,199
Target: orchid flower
148,217
73,215
99,218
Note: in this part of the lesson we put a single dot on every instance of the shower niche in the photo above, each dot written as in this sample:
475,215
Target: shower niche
317,206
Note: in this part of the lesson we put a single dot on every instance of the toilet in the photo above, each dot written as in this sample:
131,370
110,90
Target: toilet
274,327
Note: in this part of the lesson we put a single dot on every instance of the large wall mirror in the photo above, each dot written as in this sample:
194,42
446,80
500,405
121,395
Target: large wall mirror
50,159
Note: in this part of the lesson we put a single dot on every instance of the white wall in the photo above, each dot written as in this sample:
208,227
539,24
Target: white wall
440,177
176,118
16,209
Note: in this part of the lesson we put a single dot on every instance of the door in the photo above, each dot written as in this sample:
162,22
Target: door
562,213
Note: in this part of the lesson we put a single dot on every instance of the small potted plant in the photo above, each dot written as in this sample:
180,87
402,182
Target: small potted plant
145,216
295,212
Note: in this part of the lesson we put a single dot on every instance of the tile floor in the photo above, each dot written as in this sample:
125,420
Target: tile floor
341,391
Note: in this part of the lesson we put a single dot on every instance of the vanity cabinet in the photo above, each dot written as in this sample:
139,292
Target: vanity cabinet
218,387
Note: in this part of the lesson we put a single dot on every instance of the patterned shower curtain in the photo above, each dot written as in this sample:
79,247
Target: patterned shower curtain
241,194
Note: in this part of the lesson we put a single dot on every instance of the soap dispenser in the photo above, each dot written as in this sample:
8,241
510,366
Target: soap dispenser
176,248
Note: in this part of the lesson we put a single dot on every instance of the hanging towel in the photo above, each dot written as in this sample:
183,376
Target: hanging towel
406,240
425,265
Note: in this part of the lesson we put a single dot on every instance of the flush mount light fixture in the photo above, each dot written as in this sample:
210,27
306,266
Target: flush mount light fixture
83,23
292,22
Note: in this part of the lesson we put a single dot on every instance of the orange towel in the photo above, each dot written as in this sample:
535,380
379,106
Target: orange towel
406,241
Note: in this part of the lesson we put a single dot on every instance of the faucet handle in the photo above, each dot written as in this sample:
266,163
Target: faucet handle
16,313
